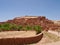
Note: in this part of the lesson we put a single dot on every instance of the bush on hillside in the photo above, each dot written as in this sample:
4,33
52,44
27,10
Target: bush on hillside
19,27
28,28
8,27
38,29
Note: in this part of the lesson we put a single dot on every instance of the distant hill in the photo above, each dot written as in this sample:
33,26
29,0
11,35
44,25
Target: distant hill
45,23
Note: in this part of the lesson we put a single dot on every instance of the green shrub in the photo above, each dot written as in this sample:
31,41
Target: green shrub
28,28
8,26
5,26
37,29
13,26
0,27
19,27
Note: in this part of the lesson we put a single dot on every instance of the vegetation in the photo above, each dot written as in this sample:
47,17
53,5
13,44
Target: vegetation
37,29
28,28
51,36
9,27
19,27
4,27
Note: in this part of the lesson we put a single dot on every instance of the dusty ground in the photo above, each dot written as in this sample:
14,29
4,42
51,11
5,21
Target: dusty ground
8,34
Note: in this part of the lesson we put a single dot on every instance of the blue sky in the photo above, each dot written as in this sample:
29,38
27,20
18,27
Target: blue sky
15,8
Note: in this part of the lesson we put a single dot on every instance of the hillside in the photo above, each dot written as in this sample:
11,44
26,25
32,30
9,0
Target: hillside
45,23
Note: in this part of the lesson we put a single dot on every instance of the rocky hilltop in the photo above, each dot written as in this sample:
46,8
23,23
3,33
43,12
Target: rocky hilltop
45,23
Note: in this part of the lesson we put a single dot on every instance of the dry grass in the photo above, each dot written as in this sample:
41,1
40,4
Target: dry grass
53,37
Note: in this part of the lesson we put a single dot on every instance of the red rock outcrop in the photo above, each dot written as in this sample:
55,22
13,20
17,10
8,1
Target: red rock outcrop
35,20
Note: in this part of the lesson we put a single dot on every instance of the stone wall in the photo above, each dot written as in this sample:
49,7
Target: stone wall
21,41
